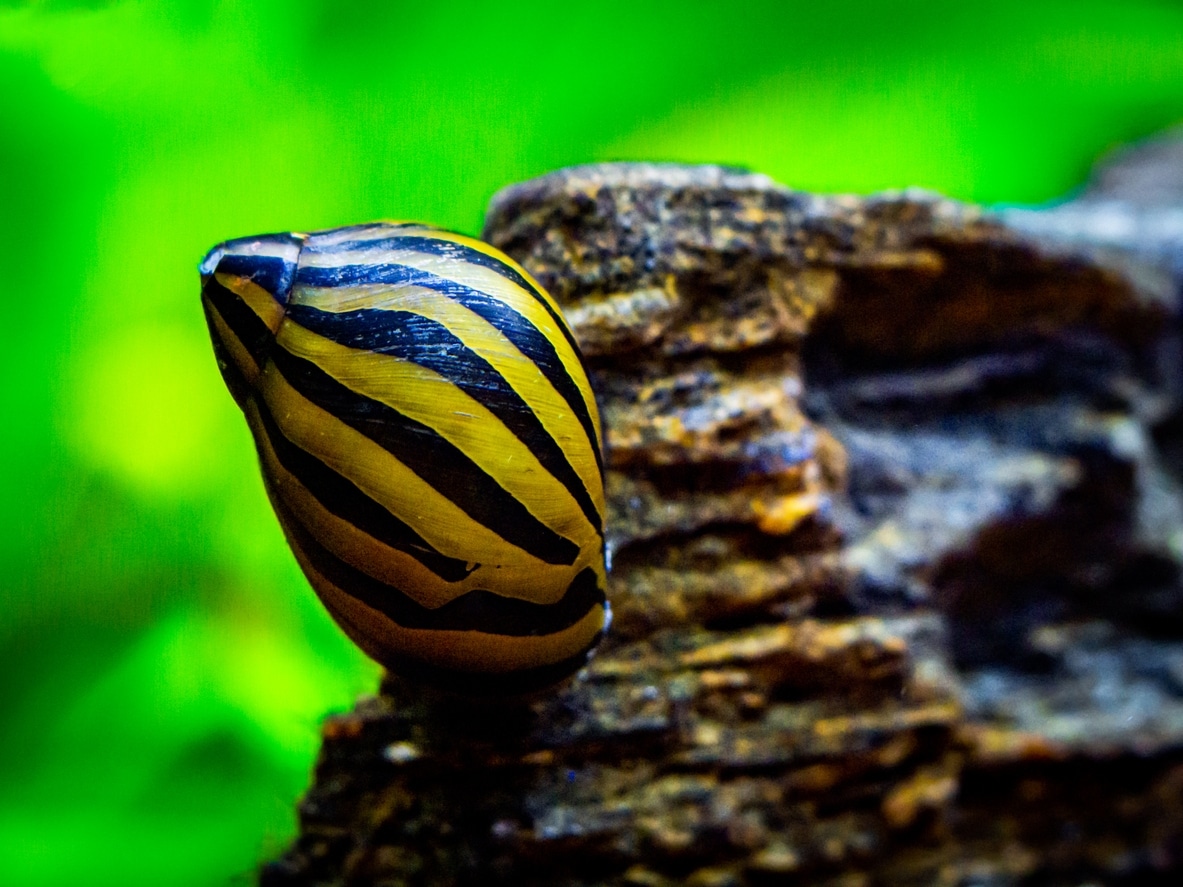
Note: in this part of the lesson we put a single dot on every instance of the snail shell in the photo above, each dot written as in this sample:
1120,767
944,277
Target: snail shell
430,442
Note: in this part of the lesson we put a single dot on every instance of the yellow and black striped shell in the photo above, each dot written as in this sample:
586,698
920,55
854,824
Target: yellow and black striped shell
430,442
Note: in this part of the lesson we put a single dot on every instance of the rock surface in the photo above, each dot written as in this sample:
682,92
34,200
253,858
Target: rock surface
896,528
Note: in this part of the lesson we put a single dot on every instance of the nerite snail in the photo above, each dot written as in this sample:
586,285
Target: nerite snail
429,441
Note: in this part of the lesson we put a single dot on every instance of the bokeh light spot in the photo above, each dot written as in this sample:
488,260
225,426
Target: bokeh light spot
147,409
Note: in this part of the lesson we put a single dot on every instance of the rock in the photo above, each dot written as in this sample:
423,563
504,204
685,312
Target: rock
897,563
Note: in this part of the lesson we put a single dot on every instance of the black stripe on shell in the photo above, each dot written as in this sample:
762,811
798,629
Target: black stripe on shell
467,683
256,337
428,343
342,497
272,273
526,337
476,610
240,389
432,457
450,249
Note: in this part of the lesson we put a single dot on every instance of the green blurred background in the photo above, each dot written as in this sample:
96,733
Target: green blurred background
163,665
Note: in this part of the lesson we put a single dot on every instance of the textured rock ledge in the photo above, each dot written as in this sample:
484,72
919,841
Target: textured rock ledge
897,544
